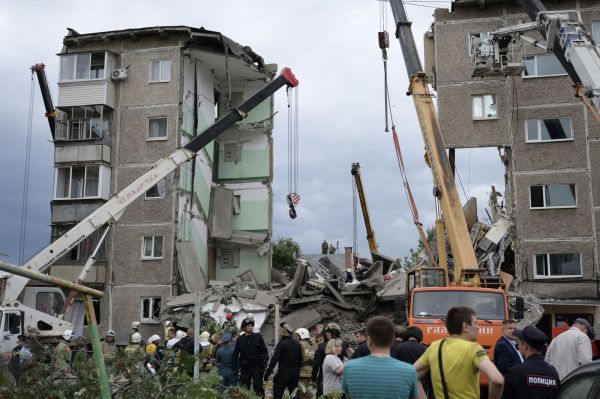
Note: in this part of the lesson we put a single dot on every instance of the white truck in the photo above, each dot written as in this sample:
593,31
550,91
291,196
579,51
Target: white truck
38,310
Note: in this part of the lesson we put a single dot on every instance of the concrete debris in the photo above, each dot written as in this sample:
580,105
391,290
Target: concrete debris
303,317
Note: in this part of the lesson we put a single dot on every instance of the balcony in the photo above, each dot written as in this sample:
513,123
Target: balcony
97,274
83,152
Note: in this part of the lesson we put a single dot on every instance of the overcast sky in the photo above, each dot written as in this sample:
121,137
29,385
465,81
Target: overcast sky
331,45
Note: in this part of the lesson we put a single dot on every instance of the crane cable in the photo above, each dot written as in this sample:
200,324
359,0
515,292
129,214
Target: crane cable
293,198
383,45
25,197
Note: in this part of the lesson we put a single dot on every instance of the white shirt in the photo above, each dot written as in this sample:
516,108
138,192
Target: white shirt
172,342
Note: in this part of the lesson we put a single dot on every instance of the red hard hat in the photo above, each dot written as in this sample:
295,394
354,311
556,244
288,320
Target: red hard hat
229,316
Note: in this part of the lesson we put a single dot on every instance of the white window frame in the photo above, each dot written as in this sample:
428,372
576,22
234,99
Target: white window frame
549,276
160,71
536,57
544,197
481,99
152,257
539,131
160,138
85,179
150,319
164,191
89,55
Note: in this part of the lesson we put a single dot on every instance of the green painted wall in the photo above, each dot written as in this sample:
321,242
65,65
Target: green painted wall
254,166
254,216
260,113
248,260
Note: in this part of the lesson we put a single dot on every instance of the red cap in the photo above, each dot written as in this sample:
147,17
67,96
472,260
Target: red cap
289,76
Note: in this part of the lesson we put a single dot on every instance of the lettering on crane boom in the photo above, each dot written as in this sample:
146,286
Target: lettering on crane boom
64,251
150,180
441,330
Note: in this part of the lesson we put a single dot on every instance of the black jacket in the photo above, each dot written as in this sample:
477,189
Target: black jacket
288,353
250,353
362,351
505,355
185,344
532,379
409,351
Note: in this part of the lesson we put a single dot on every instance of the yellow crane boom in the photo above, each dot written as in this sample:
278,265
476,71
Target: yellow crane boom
373,246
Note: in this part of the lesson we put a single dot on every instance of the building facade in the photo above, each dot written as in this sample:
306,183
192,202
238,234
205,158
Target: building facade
548,143
126,99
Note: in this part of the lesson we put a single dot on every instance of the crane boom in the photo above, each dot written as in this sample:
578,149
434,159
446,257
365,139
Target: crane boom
373,247
40,72
444,185
112,209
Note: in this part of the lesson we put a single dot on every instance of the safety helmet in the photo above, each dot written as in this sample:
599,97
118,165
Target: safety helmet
204,338
334,329
136,338
180,334
153,338
68,334
110,333
229,316
247,321
399,331
135,325
150,348
303,333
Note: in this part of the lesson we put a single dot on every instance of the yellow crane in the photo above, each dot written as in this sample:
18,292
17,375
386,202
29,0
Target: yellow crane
373,246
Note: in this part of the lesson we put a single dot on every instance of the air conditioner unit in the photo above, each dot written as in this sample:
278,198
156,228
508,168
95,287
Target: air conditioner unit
119,74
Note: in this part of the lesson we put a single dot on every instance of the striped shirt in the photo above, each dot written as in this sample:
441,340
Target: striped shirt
373,377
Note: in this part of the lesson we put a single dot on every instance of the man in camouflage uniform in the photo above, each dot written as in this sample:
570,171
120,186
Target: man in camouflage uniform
208,323
308,354
229,325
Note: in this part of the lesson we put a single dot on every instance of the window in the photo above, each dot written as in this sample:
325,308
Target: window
157,128
160,71
82,123
484,106
152,247
557,265
49,302
237,204
12,323
596,32
435,304
555,129
83,66
150,312
82,251
481,43
542,65
157,191
96,305
77,182
553,196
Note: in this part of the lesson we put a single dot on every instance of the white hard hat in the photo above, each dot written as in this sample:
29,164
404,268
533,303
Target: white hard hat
153,338
168,323
68,334
303,333
180,334
110,333
136,338
135,324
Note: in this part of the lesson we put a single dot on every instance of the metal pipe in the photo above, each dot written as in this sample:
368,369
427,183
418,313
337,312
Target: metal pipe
96,346
28,273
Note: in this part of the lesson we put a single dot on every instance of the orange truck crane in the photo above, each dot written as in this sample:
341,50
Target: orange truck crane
432,291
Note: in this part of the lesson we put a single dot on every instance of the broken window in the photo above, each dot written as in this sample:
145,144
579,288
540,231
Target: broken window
152,247
484,106
83,123
82,66
542,65
553,196
552,129
150,312
156,191
160,71
80,253
481,44
157,128
74,182
237,204
557,265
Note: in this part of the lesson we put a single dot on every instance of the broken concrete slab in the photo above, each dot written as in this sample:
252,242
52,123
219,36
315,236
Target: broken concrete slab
265,299
248,277
251,306
301,301
299,277
337,295
182,300
373,278
247,292
305,318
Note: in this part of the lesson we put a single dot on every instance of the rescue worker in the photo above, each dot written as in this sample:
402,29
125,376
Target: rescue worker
308,354
134,347
250,356
109,349
318,337
534,378
207,323
206,352
186,343
224,358
152,347
171,337
135,328
324,247
288,354
229,325
62,353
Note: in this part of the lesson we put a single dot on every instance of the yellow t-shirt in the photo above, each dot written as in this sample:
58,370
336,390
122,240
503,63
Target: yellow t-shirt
461,367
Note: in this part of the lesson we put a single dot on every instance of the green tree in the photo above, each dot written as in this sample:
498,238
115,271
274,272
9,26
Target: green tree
411,260
285,253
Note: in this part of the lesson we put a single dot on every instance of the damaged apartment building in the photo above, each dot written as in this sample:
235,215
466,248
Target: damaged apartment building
548,144
125,99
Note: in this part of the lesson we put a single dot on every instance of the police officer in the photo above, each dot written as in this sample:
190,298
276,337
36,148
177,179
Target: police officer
288,354
534,378
250,356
